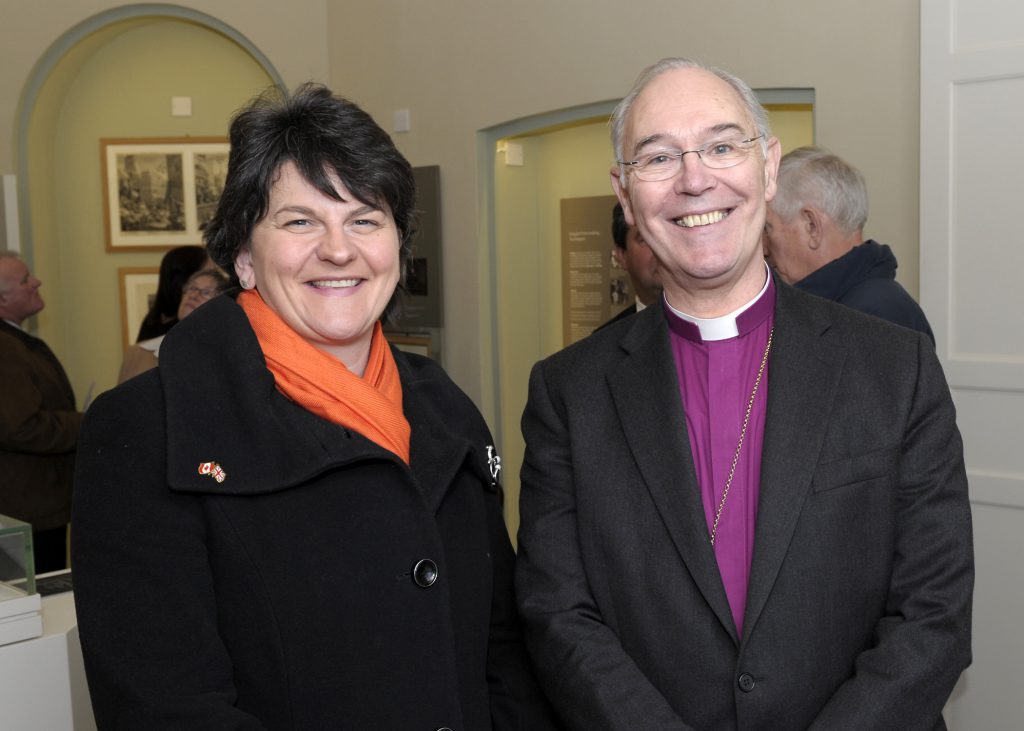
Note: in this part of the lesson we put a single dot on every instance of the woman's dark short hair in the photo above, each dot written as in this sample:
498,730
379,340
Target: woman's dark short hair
321,133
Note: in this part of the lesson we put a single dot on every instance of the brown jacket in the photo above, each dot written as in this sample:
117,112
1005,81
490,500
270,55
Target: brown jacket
38,431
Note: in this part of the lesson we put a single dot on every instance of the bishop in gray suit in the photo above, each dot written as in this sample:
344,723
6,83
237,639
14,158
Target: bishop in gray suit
745,508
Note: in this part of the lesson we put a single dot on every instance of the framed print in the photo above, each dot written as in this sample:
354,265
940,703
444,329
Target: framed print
160,192
419,344
138,291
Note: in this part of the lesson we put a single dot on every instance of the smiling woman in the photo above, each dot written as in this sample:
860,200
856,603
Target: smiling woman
311,523
328,267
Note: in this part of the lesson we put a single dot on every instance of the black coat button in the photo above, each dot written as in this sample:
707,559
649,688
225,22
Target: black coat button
424,573
746,682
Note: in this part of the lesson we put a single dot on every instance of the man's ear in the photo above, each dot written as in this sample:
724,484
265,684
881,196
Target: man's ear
622,192
619,256
811,222
771,168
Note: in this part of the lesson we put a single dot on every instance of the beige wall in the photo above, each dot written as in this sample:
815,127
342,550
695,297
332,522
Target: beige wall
465,65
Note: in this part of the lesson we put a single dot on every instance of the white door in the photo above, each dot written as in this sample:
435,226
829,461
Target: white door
972,288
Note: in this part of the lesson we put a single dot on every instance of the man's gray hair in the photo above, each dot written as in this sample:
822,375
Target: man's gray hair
816,176
757,113
6,286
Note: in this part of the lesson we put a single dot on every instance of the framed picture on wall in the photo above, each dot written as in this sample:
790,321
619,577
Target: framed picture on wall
419,344
137,286
160,192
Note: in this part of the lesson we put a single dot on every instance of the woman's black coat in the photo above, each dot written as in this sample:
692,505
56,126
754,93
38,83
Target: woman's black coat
290,595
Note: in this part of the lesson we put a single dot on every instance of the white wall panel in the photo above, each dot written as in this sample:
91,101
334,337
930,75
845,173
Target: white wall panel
987,238
982,415
973,24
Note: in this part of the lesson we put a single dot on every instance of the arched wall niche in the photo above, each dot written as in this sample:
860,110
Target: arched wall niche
112,75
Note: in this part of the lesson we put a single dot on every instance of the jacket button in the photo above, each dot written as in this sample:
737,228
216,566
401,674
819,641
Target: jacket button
746,682
424,573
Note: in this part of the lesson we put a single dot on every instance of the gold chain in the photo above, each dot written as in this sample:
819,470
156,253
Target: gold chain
743,433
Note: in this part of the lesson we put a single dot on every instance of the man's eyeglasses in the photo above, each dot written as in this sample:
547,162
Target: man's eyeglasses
665,164
206,292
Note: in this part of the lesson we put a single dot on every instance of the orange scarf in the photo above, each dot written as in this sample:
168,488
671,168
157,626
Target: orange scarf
371,405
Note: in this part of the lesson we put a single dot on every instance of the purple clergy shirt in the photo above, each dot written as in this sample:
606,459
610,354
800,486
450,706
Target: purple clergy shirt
716,378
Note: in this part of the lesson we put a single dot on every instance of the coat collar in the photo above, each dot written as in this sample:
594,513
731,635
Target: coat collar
30,341
224,408
804,375
447,435
17,332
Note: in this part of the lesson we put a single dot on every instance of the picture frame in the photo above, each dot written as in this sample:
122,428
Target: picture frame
418,344
137,286
159,192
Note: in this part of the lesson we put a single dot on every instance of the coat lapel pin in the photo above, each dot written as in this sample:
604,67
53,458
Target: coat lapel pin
212,469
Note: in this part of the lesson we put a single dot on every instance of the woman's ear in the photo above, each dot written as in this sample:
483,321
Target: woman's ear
244,268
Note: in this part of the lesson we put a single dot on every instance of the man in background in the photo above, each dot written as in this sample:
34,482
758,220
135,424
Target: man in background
813,238
635,257
38,421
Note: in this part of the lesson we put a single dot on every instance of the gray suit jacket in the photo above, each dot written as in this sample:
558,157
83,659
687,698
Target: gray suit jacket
858,612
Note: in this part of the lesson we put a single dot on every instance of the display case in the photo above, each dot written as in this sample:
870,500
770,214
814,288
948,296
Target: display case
17,565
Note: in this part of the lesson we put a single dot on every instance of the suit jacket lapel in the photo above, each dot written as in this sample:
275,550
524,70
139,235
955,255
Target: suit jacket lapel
804,374
645,390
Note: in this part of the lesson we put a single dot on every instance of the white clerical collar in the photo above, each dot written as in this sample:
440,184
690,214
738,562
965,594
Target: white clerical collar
639,305
14,324
724,327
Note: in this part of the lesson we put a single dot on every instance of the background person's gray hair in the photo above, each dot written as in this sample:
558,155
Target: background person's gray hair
757,113
6,286
816,176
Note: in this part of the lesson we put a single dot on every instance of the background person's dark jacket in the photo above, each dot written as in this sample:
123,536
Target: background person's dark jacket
631,310
38,431
285,597
865,279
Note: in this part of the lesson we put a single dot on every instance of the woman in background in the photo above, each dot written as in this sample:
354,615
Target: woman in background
201,287
290,524
178,264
